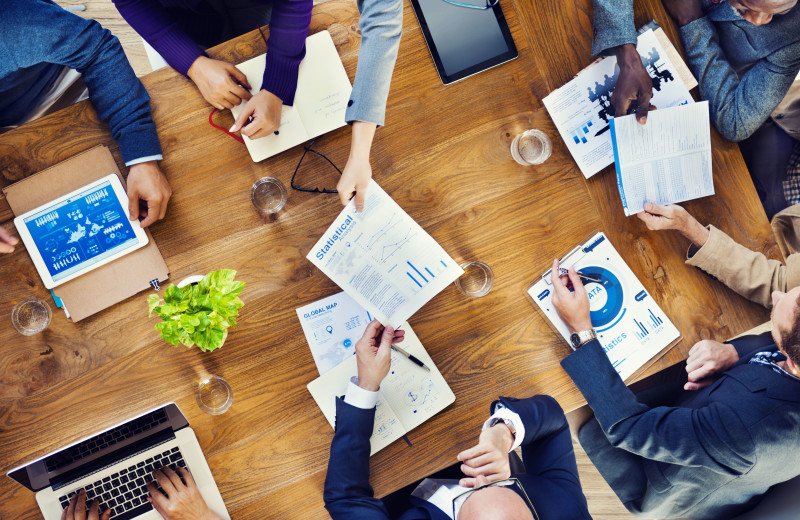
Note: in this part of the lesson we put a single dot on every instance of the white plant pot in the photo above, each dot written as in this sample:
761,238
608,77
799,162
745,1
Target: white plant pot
190,280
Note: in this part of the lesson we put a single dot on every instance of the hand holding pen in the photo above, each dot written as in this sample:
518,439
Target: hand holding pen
565,272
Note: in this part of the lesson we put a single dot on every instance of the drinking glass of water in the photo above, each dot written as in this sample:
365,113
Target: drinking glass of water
477,280
531,147
214,395
31,316
268,195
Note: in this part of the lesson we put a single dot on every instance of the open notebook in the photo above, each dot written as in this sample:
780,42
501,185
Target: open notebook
409,396
323,90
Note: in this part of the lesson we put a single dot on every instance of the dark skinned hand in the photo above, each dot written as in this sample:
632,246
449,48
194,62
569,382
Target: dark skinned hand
634,85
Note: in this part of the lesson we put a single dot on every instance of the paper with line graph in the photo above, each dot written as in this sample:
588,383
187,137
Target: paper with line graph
383,259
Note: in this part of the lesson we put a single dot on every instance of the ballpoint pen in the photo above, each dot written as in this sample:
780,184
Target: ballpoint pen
585,277
411,358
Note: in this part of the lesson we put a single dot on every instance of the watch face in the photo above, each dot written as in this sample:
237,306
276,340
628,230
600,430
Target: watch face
575,339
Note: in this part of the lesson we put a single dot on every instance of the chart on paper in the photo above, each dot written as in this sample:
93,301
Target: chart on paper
383,259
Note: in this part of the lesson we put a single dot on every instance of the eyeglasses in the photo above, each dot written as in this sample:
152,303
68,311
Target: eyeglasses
512,483
309,148
489,4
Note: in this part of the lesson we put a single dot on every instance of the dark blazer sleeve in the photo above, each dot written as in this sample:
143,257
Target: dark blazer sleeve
348,494
712,437
547,452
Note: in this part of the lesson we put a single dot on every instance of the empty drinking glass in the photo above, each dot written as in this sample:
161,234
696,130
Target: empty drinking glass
31,316
214,395
531,147
268,195
477,280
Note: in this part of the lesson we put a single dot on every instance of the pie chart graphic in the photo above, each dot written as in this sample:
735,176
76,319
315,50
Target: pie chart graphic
607,296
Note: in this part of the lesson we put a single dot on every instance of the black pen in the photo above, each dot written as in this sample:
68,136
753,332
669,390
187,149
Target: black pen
411,358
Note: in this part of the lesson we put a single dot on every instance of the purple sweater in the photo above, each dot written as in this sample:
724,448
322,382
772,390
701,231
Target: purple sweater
158,22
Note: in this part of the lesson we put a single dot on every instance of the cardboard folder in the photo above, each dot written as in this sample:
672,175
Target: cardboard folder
113,282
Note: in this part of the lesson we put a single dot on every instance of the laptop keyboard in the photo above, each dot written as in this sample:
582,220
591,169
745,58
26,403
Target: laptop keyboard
125,492
66,457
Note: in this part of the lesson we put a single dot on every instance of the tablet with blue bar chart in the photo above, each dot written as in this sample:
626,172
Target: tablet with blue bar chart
633,330
383,259
80,231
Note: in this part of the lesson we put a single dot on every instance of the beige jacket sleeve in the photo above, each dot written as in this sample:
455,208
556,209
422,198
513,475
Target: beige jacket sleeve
747,272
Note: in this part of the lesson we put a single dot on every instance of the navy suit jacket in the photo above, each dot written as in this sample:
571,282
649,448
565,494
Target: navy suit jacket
708,454
550,478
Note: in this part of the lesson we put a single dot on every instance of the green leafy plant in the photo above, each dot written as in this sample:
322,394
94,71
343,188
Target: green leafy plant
199,314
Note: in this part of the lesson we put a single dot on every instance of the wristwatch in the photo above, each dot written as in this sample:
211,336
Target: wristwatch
507,422
580,338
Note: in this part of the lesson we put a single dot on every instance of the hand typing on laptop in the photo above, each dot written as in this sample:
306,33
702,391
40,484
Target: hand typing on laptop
182,500
76,510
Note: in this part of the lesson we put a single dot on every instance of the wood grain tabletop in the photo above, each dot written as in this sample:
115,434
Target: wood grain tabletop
443,155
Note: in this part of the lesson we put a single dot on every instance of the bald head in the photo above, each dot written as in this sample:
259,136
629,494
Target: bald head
760,12
495,503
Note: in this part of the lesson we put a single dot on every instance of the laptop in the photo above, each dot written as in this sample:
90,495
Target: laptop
114,466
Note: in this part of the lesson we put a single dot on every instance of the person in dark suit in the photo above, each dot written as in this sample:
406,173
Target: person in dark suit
483,485
701,454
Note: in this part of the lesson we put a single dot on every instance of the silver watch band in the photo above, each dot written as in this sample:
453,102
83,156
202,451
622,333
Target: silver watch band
586,336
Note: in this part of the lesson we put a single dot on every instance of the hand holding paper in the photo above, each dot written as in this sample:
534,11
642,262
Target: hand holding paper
667,160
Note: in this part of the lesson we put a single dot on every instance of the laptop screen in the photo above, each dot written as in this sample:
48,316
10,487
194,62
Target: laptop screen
99,450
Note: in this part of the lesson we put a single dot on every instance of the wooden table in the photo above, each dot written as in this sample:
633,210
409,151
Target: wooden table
443,155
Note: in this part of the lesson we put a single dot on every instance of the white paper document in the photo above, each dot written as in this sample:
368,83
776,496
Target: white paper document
332,326
581,109
320,101
383,259
629,324
668,160
408,396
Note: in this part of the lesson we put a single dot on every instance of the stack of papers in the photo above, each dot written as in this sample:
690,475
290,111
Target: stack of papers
581,109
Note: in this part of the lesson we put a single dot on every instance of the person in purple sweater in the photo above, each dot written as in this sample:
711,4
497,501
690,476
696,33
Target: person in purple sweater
180,29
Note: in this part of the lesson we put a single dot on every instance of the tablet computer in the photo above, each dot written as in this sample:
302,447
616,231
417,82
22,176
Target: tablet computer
464,41
80,231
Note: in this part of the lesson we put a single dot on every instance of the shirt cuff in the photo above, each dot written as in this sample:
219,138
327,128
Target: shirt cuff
501,412
360,398
144,159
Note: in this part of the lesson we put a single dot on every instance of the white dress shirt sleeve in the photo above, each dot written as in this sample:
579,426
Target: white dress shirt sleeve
144,159
501,412
360,398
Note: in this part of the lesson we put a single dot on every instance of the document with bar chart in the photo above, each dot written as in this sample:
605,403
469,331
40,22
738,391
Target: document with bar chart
582,109
383,259
630,325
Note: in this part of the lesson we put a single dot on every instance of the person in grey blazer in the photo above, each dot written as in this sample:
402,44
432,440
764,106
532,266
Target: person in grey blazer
381,25
745,55
701,454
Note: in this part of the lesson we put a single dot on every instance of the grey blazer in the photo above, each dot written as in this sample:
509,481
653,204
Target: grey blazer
744,71
381,25
708,454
